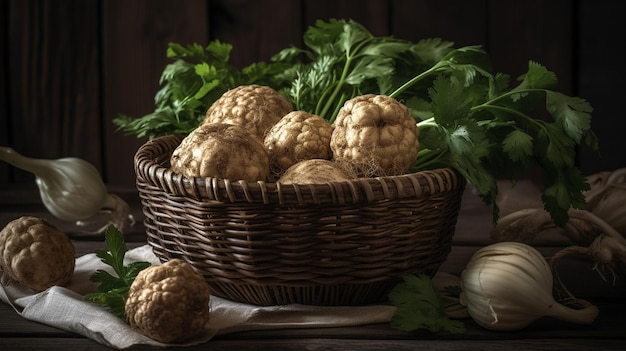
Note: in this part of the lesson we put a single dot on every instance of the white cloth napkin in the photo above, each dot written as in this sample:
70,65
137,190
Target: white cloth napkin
65,308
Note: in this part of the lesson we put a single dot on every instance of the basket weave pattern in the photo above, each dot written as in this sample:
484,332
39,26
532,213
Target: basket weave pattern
339,243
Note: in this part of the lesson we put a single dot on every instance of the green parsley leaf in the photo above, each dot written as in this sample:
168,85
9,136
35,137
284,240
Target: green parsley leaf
518,145
537,77
420,307
572,114
113,288
192,82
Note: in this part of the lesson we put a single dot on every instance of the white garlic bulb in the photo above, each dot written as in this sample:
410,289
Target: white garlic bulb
71,188
508,285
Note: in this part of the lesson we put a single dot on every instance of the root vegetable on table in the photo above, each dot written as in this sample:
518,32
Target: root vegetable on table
36,254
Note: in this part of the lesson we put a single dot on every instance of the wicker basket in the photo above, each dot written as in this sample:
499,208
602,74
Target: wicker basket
340,243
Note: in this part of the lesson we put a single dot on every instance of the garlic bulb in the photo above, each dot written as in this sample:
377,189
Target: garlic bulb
508,285
71,188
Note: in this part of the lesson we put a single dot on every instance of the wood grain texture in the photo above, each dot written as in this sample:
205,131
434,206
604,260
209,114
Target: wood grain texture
256,29
372,14
53,71
462,22
16,333
600,79
5,121
538,30
135,36
297,344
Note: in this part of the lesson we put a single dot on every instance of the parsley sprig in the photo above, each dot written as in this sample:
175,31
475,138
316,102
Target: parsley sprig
113,289
420,306
469,118
493,135
193,81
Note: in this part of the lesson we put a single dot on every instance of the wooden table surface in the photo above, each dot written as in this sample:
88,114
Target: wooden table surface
607,333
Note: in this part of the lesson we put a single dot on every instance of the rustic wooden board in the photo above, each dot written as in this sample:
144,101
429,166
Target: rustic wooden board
606,334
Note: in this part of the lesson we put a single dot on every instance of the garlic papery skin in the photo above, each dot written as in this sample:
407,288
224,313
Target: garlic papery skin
508,285
70,188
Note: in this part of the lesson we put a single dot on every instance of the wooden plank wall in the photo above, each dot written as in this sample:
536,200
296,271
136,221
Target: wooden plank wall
68,67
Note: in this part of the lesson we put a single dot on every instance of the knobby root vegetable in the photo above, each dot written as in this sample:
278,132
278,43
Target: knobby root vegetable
599,232
224,151
315,171
375,135
508,285
256,107
36,254
298,136
169,302
607,197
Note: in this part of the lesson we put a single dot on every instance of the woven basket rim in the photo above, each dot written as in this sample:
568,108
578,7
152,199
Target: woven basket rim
152,170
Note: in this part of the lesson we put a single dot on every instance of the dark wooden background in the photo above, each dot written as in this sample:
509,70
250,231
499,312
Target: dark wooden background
68,67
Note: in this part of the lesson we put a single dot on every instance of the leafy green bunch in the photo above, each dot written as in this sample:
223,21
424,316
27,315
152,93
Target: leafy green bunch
420,306
470,118
343,60
190,84
487,131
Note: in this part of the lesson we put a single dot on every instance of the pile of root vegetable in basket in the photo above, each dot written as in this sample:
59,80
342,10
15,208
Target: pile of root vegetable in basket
351,105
